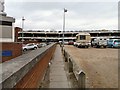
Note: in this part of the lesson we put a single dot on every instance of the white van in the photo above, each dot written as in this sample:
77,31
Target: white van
99,42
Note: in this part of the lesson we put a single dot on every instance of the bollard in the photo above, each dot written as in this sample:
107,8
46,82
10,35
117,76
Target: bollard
70,66
65,56
64,53
81,80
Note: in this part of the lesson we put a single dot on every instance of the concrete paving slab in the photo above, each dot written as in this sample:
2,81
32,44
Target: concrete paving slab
58,62
58,78
59,85
57,74
57,70
57,66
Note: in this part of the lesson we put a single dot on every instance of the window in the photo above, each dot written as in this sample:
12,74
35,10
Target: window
110,40
82,37
30,44
77,37
6,31
117,41
6,23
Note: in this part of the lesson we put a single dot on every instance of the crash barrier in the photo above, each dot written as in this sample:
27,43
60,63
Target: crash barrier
27,70
75,68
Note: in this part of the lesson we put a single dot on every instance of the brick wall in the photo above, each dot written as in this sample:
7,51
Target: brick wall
17,29
33,78
16,49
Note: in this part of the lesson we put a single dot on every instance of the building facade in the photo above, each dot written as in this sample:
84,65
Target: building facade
6,25
56,36
9,49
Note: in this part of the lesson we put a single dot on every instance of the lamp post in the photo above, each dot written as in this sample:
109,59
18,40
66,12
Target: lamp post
65,10
22,27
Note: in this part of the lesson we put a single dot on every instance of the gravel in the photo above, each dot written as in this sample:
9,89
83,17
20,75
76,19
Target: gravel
99,64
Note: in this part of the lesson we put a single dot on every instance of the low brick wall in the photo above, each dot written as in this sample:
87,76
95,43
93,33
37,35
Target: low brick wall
14,47
27,70
33,78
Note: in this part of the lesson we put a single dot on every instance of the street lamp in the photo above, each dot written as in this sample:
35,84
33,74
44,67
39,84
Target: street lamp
22,27
65,10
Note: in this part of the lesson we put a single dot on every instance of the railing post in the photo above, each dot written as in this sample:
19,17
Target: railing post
81,80
66,57
70,66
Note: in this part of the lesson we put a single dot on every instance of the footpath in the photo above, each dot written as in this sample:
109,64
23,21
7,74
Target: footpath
57,75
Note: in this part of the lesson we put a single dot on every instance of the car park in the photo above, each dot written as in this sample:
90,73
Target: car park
29,46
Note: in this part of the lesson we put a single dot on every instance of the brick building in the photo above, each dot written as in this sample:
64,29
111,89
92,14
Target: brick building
9,49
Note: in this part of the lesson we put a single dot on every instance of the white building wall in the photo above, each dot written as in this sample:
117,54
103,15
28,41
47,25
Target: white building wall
6,31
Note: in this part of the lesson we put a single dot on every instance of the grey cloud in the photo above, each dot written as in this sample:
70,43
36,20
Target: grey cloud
83,7
88,11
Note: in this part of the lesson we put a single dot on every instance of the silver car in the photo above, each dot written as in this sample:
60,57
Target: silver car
29,46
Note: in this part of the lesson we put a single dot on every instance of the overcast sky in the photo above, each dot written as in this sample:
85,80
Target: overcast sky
49,15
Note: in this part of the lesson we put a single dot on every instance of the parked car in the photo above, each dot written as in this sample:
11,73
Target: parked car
39,45
71,42
75,44
99,42
48,43
43,44
29,46
114,43
65,42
